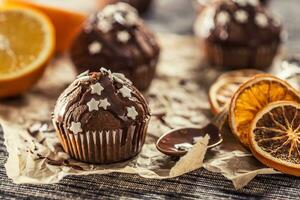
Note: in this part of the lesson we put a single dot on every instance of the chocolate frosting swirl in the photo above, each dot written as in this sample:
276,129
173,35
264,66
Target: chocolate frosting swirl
100,101
238,23
115,38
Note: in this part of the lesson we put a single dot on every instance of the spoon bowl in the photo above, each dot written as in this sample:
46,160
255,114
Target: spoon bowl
178,141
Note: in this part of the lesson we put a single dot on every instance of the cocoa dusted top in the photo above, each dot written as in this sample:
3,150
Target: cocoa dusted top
100,101
239,22
115,37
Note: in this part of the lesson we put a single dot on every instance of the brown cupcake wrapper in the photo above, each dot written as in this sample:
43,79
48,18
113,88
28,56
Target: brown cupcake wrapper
103,147
241,57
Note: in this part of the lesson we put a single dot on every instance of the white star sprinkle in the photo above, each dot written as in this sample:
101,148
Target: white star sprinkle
253,2
123,36
93,104
104,103
132,18
241,2
125,91
104,25
97,89
131,112
223,18
241,16
261,20
76,127
95,47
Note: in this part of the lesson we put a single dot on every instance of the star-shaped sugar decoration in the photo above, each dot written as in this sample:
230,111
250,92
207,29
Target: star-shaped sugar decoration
131,112
104,103
241,16
253,2
131,18
96,88
93,105
123,36
95,47
261,20
76,127
104,25
125,91
241,2
223,18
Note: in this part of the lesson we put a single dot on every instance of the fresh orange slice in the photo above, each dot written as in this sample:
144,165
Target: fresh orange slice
223,88
27,42
274,136
253,96
66,22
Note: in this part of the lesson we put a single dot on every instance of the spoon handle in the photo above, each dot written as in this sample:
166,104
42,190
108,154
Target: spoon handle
219,119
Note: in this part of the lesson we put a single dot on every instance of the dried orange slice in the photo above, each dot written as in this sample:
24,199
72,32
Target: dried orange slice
274,136
223,88
254,95
26,45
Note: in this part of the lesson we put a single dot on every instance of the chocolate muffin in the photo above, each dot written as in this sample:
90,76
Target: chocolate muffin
238,34
118,39
101,118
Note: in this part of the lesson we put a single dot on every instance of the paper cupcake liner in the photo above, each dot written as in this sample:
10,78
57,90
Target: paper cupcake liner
241,57
102,147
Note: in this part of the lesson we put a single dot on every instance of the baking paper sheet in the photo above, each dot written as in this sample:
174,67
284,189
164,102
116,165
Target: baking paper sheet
177,97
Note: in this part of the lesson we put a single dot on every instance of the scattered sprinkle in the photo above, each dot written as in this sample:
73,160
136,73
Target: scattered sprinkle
95,47
125,91
132,18
261,20
132,113
76,127
93,104
241,2
241,16
97,88
253,2
123,36
223,18
104,103
104,25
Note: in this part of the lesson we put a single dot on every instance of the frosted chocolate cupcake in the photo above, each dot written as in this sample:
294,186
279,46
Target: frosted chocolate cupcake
118,39
101,118
238,34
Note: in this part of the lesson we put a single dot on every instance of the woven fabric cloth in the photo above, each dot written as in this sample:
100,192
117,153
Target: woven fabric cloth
199,184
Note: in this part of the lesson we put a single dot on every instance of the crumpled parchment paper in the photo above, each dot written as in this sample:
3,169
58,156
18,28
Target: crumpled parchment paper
177,97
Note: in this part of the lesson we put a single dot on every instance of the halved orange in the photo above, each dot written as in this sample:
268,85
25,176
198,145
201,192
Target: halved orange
67,23
223,88
27,42
253,96
274,136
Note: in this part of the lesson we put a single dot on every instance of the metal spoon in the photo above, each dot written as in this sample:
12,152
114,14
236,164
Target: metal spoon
178,141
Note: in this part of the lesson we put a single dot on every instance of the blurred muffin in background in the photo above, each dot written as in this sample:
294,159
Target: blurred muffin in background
238,34
118,39
140,5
